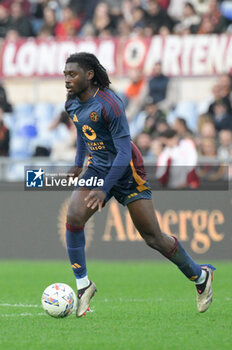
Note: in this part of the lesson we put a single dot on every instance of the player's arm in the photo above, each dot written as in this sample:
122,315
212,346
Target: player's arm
119,129
120,163
81,149
80,157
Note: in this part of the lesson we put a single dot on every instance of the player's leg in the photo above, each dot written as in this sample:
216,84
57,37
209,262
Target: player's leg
77,216
144,219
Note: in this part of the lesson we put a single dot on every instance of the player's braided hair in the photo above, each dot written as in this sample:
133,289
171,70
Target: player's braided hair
89,61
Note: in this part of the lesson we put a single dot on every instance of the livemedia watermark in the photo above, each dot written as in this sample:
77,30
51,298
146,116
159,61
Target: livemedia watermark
178,178
42,178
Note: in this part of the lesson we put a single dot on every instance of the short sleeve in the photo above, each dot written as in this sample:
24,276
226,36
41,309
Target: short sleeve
118,125
114,114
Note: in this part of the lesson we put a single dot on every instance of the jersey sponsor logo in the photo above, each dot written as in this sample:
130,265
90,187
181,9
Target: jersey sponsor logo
89,132
75,119
96,146
94,116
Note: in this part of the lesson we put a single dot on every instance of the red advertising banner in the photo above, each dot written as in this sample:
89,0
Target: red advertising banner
193,55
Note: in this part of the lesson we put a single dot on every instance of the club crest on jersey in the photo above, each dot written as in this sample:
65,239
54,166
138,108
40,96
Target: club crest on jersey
94,116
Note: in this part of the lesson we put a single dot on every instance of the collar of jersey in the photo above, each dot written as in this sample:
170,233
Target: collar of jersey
91,97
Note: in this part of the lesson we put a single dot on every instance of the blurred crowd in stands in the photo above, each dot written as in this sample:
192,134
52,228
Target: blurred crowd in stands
124,18
151,108
158,120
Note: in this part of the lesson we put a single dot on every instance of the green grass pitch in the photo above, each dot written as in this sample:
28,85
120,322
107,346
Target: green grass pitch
139,306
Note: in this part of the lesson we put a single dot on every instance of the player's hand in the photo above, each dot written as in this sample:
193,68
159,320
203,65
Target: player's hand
95,199
74,172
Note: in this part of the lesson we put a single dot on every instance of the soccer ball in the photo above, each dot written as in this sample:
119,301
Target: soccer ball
59,300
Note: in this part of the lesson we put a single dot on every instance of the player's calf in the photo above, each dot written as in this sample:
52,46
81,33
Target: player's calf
159,241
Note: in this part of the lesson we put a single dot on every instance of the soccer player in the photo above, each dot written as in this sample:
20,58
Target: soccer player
102,130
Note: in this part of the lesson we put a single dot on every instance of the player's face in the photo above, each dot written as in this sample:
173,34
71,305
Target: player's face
77,81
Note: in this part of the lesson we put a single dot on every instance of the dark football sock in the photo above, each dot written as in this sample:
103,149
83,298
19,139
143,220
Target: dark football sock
184,262
75,240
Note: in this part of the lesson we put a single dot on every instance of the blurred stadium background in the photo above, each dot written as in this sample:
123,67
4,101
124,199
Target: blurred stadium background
170,62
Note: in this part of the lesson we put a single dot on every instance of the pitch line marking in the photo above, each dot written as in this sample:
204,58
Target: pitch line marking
19,305
142,300
24,314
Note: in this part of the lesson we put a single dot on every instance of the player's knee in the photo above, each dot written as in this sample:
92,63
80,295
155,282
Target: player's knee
75,220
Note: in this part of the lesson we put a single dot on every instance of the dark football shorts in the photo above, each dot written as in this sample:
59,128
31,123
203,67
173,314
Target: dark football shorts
125,191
